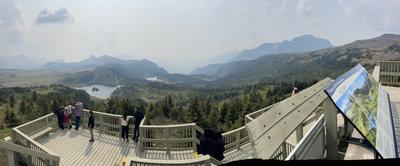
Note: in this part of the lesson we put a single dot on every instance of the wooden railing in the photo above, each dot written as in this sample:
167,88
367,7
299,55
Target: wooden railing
202,160
152,137
283,151
250,117
235,139
21,135
104,122
33,156
39,124
389,73
169,137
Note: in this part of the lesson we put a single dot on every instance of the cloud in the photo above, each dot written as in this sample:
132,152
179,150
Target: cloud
11,23
307,12
54,15
382,15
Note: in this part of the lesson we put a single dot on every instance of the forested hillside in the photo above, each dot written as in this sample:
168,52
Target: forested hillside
20,105
221,108
329,62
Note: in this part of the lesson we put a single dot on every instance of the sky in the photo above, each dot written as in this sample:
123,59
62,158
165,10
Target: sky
180,35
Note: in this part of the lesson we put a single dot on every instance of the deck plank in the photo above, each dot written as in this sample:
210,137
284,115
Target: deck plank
83,149
74,148
97,152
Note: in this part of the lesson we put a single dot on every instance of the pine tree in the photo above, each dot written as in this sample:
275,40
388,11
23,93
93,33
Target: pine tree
224,112
34,96
22,106
11,119
194,110
11,101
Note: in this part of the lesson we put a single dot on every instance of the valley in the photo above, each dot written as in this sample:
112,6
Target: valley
218,99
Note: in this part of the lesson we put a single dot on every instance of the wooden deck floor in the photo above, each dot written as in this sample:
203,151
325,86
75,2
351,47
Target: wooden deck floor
74,149
241,154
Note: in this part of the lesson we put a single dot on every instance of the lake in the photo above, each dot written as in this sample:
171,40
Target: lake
103,91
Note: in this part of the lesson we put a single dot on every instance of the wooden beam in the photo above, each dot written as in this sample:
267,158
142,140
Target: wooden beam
272,128
331,130
267,120
299,133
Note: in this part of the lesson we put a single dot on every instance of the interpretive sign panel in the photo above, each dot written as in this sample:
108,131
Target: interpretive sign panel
366,104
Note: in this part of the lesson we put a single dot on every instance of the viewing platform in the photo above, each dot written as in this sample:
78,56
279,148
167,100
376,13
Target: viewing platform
304,126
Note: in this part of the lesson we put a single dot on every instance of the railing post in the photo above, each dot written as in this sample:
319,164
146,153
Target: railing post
141,142
168,142
194,136
284,150
101,123
10,157
299,133
237,135
29,145
331,130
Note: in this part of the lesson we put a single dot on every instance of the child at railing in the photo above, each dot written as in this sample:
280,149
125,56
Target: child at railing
66,118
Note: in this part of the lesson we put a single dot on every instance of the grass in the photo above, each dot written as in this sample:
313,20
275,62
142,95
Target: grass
25,78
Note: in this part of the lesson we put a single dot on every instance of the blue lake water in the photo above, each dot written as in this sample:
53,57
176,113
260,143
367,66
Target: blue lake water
103,93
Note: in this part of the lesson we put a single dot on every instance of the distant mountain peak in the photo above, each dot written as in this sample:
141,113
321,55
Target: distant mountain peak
306,36
304,43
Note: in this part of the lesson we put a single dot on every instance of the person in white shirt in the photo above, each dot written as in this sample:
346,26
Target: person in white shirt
125,126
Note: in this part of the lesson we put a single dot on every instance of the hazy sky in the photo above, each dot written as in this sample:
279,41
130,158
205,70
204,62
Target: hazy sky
181,35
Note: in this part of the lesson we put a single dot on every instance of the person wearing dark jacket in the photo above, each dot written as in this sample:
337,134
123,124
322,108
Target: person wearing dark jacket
138,118
212,143
91,125
60,117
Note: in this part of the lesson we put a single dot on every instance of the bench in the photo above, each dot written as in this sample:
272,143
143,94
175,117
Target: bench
44,132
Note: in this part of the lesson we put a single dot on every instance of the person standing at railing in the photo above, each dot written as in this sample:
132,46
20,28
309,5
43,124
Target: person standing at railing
295,90
78,114
69,111
66,118
60,116
125,126
138,118
91,125
212,143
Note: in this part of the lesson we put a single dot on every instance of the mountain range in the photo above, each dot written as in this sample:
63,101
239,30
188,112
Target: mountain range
276,67
299,44
328,62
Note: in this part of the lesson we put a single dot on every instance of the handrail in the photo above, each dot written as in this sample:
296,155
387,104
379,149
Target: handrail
169,126
36,124
206,160
26,151
233,131
35,120
251,116
30,140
